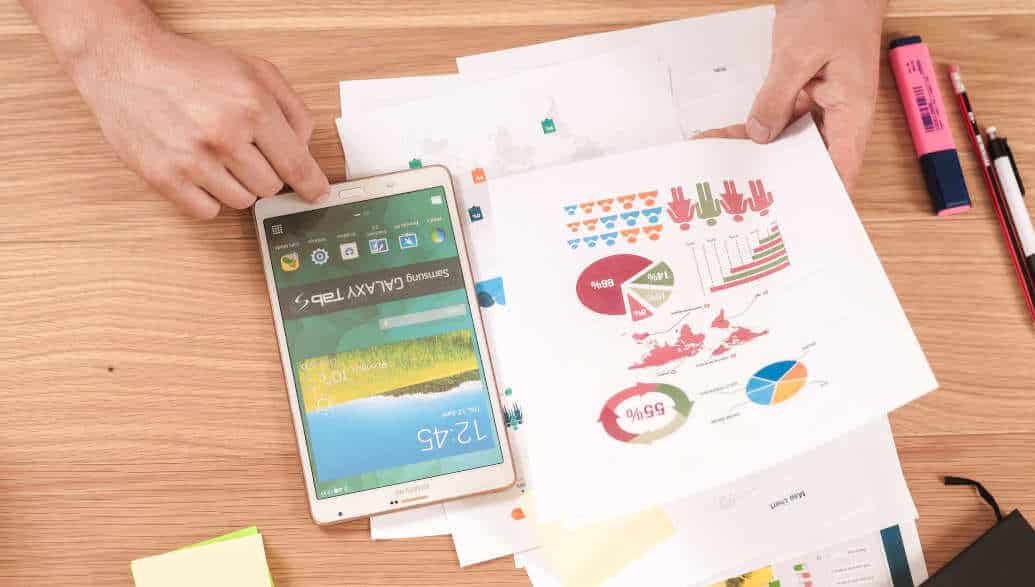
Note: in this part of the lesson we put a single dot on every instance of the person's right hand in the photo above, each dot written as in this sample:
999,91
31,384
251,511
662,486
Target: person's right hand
203,126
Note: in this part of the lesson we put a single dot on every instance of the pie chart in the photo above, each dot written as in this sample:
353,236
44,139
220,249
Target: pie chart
777,382
625,284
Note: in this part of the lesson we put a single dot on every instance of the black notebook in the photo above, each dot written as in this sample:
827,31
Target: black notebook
1002,556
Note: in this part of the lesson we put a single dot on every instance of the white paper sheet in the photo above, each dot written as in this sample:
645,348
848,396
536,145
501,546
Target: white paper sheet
700,43
888,557
416,523
820,498
691,331
364,95
860,560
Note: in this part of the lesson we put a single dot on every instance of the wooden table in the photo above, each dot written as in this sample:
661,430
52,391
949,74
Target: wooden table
143,405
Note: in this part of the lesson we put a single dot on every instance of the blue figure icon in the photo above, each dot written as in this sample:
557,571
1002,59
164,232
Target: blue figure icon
475,212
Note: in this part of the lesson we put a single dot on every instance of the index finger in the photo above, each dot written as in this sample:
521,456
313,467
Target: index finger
289,155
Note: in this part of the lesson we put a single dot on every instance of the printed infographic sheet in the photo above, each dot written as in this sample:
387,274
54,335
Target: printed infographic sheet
840,490
685,315
890,557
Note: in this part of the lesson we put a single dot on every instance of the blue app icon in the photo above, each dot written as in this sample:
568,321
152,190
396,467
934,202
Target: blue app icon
407,240
378,245
475,213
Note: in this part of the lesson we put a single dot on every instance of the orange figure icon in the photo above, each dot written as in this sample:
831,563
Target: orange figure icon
649,197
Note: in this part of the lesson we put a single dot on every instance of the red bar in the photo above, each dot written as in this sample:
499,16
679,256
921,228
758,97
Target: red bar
750,279
769,245
761,261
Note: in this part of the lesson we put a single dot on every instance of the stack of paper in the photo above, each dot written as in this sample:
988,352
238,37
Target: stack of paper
237,559
581,143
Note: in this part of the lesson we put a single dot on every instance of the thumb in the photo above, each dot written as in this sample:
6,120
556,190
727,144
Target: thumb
775,103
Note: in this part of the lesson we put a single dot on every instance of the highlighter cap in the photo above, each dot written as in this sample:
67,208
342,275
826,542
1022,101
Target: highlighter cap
944,178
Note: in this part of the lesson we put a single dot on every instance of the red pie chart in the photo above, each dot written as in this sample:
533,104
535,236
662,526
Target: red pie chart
625,284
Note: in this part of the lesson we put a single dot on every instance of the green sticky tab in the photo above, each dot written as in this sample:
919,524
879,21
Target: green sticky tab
231,536
799,567
416,164
236,534
774,583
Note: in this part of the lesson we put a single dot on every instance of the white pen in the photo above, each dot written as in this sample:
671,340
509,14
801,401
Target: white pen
1013,193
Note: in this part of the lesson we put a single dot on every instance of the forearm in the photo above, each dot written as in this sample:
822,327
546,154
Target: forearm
82,29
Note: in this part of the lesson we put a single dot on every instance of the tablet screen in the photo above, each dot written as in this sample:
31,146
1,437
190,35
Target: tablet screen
381,342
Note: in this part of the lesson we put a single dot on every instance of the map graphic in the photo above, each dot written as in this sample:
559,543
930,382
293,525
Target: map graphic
645,412
625,284
777,382
689,343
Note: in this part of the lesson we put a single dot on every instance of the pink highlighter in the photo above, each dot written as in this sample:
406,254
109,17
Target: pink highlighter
929,125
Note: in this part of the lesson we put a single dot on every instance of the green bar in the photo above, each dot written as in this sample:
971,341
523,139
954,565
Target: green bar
758,269
767,252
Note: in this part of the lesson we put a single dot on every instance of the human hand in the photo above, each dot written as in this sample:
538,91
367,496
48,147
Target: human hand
825,61
203,126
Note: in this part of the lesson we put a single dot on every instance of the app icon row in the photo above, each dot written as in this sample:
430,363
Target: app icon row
348,251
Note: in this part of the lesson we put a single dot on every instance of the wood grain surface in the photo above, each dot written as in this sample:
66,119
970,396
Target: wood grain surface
143,405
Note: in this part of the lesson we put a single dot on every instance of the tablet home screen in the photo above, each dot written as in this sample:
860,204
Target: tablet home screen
381,342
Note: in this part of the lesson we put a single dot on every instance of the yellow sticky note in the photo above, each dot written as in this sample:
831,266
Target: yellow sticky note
590,555
240,562
760,578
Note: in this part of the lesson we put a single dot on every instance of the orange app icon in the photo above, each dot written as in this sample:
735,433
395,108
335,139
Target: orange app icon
605,204
289,262
591,224
574,226
627,200
587,207
649,197
478,175
630,234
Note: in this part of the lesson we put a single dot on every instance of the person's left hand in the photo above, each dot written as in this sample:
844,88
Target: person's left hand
825,61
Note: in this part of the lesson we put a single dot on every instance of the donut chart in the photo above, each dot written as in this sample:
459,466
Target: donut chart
777,382
625,284
645,412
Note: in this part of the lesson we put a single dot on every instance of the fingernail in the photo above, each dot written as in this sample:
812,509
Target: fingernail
757,131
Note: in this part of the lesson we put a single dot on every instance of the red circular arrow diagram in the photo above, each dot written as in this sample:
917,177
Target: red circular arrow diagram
609,418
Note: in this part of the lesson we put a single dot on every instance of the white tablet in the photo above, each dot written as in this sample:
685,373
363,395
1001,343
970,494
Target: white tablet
388,373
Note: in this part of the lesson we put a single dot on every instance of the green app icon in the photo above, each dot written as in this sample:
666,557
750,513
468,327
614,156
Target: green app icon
549,126
416,164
